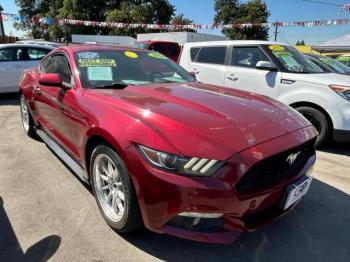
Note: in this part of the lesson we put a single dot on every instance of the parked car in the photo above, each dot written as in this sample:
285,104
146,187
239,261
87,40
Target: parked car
38,42
328,65
345,59
187,159
278,71
169,49
14,58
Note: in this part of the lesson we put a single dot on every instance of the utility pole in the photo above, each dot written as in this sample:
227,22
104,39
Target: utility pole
2,32
276,32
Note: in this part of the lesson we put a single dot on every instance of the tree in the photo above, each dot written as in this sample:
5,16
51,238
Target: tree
234,12
140,12
181,20
300,43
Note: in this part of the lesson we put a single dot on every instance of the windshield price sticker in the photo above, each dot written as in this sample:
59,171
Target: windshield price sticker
157,55
99,73
282,54
88,55
131,54
277,48
87,62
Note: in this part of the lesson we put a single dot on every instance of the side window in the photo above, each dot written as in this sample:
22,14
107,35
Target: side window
173,49
37,53
158,47
20,54
6,54
247,56
194,52
57,64
47,65
212,55
62,68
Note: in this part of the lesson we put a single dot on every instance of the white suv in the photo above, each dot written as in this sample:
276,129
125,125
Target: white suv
278,71
14,58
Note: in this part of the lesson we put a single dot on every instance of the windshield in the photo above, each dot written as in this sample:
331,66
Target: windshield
334,64
292,60
113,69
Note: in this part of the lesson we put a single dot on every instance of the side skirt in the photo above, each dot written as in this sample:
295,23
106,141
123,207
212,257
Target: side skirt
66,158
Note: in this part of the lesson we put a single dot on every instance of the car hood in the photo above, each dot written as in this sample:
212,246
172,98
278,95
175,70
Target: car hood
324,79
205,119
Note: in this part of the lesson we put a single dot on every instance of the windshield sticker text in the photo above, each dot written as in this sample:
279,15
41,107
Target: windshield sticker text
87,62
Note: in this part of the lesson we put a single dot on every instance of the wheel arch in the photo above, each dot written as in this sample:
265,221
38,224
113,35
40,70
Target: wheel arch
315,106
100,139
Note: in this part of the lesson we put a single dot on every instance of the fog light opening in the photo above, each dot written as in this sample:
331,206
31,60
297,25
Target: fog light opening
201,215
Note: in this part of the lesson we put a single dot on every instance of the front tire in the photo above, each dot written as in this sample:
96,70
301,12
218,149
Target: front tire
319,121
27,120
113,190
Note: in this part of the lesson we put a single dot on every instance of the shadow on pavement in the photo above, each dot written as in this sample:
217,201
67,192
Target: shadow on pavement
317,230
9,99
10,249
337,148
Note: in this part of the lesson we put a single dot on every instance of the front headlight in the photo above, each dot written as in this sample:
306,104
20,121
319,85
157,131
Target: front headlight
181,165
343,91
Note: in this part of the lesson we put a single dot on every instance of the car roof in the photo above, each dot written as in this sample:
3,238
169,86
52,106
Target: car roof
27,45
314,55
92,47
234,42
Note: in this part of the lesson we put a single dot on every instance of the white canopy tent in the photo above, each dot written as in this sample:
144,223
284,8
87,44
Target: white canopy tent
338,44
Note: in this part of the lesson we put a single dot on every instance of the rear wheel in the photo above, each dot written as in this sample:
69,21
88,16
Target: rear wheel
319,121
27,121
113,190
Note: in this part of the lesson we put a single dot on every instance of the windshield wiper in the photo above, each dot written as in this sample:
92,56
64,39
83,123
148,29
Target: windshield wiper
119,85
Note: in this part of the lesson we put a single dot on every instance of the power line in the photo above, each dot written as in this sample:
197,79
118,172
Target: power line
322,2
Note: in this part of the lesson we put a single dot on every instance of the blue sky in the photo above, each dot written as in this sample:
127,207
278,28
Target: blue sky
202,12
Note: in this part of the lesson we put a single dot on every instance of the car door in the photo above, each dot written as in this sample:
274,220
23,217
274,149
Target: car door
243,74
12,64
208,63
53,103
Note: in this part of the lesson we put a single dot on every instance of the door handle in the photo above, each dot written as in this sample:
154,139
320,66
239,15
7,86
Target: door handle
195,71
232,77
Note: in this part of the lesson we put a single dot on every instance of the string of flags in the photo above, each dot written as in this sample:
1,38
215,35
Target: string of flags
55,21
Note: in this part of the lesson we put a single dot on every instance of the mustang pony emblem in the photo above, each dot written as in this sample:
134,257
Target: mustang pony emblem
292,157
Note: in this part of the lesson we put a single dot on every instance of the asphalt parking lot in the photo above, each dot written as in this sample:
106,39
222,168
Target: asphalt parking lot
46,212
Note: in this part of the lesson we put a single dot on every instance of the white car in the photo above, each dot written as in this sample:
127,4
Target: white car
14,58
278,71
38,42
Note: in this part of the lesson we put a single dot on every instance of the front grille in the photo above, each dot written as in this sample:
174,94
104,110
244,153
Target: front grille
273,170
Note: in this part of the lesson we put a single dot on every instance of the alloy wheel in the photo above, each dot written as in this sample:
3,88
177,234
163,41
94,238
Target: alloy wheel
24,113
109,187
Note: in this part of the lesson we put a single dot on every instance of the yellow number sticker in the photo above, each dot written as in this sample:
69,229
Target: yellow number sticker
277,48
131,54
157,55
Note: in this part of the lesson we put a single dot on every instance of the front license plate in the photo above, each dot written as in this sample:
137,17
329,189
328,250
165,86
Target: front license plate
296,191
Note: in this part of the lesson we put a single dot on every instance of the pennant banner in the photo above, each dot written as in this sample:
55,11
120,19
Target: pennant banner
55,21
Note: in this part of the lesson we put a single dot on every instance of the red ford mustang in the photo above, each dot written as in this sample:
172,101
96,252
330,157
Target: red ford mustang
191,160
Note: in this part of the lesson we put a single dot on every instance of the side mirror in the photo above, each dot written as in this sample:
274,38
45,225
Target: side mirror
50,80
264,65
193,75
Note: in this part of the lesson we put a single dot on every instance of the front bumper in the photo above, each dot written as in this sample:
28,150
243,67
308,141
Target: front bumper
163,196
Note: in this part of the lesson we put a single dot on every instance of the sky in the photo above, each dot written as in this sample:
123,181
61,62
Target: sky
202,12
